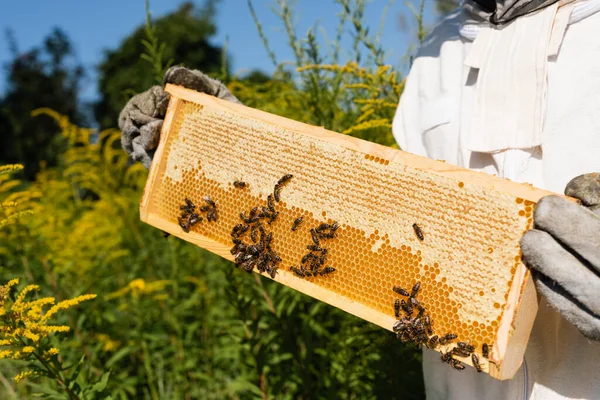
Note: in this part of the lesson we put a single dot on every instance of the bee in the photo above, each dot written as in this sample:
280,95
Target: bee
184,225
240,184
275,257
297,223
398,326
209,201
397,308
254,233
284,179
447,337
313,265
475,360
323,227
457,365
189,204
248,266
406,307
415,303
315,236
428,325
466,346
194,219
212,215
432,341
322,257
400,291
239,230
314,247
254,250
272,217
332,229
272,272
297,271
327,270
460,352
307,257
446,357
415,289
485,350
418,232
270,203
279,184
276,194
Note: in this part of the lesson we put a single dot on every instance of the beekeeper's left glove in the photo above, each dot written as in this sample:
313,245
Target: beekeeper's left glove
142,117
563,253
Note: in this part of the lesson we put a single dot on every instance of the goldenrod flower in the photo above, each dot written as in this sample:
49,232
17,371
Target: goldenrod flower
22,376
66,304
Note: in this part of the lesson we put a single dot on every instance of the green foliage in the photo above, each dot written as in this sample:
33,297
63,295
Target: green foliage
45,76
172,321
184,36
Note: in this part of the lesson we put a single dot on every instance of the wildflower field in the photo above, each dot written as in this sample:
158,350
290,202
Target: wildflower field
95,304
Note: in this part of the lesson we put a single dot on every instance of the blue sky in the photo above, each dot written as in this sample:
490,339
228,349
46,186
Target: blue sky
94,26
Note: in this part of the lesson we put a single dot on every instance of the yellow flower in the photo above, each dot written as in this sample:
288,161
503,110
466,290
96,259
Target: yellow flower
66,304
22,376
5,353
28,349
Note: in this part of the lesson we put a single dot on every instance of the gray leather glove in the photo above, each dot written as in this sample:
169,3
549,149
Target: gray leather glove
563,253
142,117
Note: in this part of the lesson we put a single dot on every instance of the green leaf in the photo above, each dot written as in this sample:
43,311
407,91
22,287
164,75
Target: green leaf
77,371
101,384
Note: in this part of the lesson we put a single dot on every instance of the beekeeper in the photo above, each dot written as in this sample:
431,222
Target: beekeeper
511,88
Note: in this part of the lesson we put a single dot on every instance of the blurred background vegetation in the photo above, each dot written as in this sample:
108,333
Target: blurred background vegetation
171,321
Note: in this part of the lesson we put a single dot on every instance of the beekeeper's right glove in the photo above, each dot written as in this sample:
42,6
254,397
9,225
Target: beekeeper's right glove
563,252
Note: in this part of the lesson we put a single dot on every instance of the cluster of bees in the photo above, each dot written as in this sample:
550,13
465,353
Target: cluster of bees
190,217
257,253
312,264
419,330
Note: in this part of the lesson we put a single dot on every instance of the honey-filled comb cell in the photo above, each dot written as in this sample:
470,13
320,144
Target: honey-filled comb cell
346,221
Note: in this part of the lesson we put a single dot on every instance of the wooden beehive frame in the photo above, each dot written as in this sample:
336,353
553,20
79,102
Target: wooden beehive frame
521,303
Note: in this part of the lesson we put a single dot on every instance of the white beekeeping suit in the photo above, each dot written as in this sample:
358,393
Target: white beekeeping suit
521,101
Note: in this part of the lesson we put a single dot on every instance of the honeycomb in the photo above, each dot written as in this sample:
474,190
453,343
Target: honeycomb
466,262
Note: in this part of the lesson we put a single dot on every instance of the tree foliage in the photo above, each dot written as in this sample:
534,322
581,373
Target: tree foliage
185,34
45,76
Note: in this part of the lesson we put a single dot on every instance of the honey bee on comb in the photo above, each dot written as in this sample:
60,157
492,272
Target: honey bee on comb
297,271
194,219
447,338
314,236
279,184
397,308
475,361
240,184
327,270
297,223
485,350
418,232
270,203
400,291
415,289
